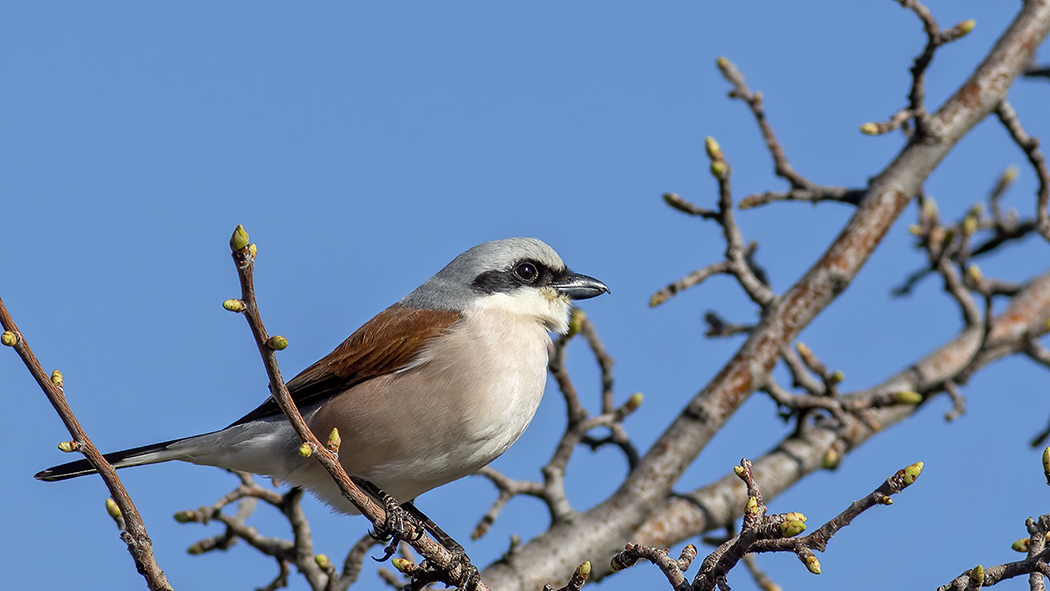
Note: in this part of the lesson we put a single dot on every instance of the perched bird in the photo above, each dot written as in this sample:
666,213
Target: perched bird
428,391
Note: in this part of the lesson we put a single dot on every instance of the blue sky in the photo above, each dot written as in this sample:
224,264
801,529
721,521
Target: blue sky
363,147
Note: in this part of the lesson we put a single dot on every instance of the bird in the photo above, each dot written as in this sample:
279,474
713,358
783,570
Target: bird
428,391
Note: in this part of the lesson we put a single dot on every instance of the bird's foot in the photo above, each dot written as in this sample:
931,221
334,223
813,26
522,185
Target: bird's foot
396,527
471,575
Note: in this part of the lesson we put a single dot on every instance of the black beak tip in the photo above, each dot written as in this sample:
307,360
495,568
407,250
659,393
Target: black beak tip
581,287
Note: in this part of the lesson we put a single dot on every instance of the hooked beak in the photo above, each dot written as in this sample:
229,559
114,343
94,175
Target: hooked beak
580,287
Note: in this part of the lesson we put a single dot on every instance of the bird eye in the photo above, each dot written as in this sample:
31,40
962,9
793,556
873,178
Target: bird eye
527,271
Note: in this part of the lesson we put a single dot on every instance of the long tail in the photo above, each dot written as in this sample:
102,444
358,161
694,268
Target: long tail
147,454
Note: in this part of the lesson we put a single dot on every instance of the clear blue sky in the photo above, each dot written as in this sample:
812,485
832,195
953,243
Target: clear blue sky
365,146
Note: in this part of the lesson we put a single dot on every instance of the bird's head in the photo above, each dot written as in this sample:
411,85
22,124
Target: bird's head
516,275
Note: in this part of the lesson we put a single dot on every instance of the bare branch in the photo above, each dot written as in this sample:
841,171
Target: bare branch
814,194
673,569
803,452
718,327
740,90
695,278
1030,145
133,532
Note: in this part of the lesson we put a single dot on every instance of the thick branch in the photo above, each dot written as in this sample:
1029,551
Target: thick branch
603,529
714,505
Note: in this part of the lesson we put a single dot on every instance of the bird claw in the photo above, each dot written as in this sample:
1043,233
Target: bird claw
471,575
394,528
399,520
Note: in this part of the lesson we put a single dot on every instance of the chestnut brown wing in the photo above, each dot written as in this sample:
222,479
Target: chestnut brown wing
384,344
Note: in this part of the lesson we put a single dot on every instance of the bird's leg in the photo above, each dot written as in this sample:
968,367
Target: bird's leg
398,515
397,521
471,575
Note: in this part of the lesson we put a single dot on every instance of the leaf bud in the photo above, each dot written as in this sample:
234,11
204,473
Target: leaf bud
239,240
792,528
912,472
233,305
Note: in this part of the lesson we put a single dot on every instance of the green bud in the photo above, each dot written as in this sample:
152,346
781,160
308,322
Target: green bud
239,240
714,151
812,564
907,397
912,472
831,459
584,570
633,402
977,575
56,378
305,450
1021,545
277,343
836,377
966,26
751,508
112,509
183,517
9,339
68,446
738,470
334,441
233,305
322,561
718,168
790,529
803,349
869,129
402,564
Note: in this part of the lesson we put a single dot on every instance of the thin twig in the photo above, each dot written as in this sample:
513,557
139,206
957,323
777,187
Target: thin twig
1030,145
134,531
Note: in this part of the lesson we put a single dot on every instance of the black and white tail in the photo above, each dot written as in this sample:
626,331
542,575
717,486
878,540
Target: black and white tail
147,454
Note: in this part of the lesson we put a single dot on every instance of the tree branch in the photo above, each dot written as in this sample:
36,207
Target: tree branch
612,523
133,529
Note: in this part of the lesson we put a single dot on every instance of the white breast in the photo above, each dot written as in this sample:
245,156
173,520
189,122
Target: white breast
486,377
461,404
